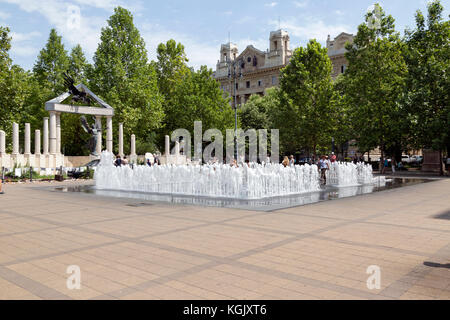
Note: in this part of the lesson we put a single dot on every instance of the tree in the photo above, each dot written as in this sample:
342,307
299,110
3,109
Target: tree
428,82
78,65
374,82
306,113
123,77
52,62
14,87
257,112
189,95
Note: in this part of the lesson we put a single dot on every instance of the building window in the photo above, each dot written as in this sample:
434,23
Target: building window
248,84
274,80
259,83
275,45
342,68
237,85
249,59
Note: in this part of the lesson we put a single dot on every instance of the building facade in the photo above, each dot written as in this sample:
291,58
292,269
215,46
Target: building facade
336,52
259,70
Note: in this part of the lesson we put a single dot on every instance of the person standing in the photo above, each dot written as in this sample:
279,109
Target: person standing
291,161
333,158
285,162
118,162
323,167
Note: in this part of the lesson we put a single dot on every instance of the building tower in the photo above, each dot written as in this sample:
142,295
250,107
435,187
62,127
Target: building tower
279,52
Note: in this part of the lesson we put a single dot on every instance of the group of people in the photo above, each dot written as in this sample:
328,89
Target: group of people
121,162
323,164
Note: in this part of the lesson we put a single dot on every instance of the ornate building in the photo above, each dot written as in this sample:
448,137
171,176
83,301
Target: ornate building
336,52
260,69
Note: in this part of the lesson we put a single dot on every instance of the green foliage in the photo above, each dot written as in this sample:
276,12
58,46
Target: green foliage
189,95
307,112
123,77
257,112
427,95
52,62
373,83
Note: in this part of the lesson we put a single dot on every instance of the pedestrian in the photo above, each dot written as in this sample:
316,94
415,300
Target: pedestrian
291,161
125,161
323,167
333,157
118,162
285,162
149,163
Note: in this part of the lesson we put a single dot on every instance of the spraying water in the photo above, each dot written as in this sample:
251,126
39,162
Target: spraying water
254,181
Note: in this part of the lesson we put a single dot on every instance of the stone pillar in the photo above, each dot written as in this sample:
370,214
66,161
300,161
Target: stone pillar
133,145
52,132
177,148
98,123
15,139
45,138
37,142
27,142
121,139
167,145
58,133
109,134
2,142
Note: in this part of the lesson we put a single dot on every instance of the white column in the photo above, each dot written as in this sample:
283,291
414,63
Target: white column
133,145
58,133
27,141
121,139
2,142
45,138
98,123
15,139
167,145
37,142
177,148
52,132
109,134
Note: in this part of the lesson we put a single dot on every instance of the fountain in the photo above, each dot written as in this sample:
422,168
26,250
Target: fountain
253,181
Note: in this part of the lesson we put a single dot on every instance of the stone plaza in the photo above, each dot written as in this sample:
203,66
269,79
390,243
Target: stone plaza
134,249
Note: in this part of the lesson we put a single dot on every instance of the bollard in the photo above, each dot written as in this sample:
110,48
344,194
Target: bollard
31,174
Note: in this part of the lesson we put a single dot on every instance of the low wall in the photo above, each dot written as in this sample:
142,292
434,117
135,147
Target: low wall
76,161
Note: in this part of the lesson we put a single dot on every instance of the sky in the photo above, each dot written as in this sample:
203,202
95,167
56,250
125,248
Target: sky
200,25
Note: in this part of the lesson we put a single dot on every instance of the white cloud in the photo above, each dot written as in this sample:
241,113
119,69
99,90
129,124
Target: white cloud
228,13
4,15
300,4
20,44
58,13
339,12
272,4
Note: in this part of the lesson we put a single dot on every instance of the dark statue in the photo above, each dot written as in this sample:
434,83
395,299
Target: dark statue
94,131
77,95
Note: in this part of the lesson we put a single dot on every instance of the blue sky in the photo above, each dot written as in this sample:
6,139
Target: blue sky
201,25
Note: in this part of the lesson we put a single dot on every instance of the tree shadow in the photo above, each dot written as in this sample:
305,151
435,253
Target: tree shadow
443,216
437,265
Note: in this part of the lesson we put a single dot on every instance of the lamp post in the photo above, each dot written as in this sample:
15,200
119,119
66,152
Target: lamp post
235,72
